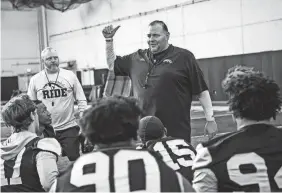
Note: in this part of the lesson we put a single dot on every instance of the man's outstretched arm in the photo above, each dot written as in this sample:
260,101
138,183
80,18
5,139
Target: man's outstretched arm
108,33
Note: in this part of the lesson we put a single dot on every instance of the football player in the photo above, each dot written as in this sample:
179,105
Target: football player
249,159
28,163
116,166
45,120
176,153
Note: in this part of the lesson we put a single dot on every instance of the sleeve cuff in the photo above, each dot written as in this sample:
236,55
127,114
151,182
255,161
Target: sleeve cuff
109,39
210,118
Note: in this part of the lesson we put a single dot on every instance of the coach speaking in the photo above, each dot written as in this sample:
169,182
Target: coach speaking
164,78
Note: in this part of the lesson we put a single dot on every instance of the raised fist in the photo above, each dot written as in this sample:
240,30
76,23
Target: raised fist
109,31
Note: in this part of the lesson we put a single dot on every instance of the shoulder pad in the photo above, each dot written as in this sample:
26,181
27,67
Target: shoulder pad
203,157
140,147
50,144
150,144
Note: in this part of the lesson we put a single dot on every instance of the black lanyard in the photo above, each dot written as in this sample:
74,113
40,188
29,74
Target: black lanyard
152,66
147,75
49,83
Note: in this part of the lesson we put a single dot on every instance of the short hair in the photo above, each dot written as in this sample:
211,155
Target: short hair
47,49
37,102
151,128
16,93
112,119
252,95
161,23
17,111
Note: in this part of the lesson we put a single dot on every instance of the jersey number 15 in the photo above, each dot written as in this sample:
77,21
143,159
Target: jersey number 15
173,145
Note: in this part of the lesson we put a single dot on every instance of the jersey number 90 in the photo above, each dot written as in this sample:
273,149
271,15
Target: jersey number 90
121,161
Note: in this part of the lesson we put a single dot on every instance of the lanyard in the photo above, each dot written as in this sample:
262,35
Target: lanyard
152,65
49,83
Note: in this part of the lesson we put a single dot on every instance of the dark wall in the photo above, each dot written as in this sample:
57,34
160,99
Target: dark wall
100,76
215,69
8,84
78,74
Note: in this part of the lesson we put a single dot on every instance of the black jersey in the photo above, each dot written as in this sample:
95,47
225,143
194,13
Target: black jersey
120,170
176,153
246,160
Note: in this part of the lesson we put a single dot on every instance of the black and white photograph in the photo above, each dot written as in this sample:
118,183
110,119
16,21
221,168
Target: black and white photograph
141,95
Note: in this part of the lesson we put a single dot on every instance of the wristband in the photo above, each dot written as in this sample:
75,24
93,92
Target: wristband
109,39
210,118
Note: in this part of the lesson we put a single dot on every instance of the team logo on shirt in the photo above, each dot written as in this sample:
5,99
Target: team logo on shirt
167,61
54,90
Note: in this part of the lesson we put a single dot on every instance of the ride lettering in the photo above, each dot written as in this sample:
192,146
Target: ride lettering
55,93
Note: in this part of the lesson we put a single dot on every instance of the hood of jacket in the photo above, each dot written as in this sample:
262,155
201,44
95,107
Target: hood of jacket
15,143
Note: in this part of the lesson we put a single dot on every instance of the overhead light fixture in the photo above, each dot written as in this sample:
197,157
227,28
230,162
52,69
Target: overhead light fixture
59,5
